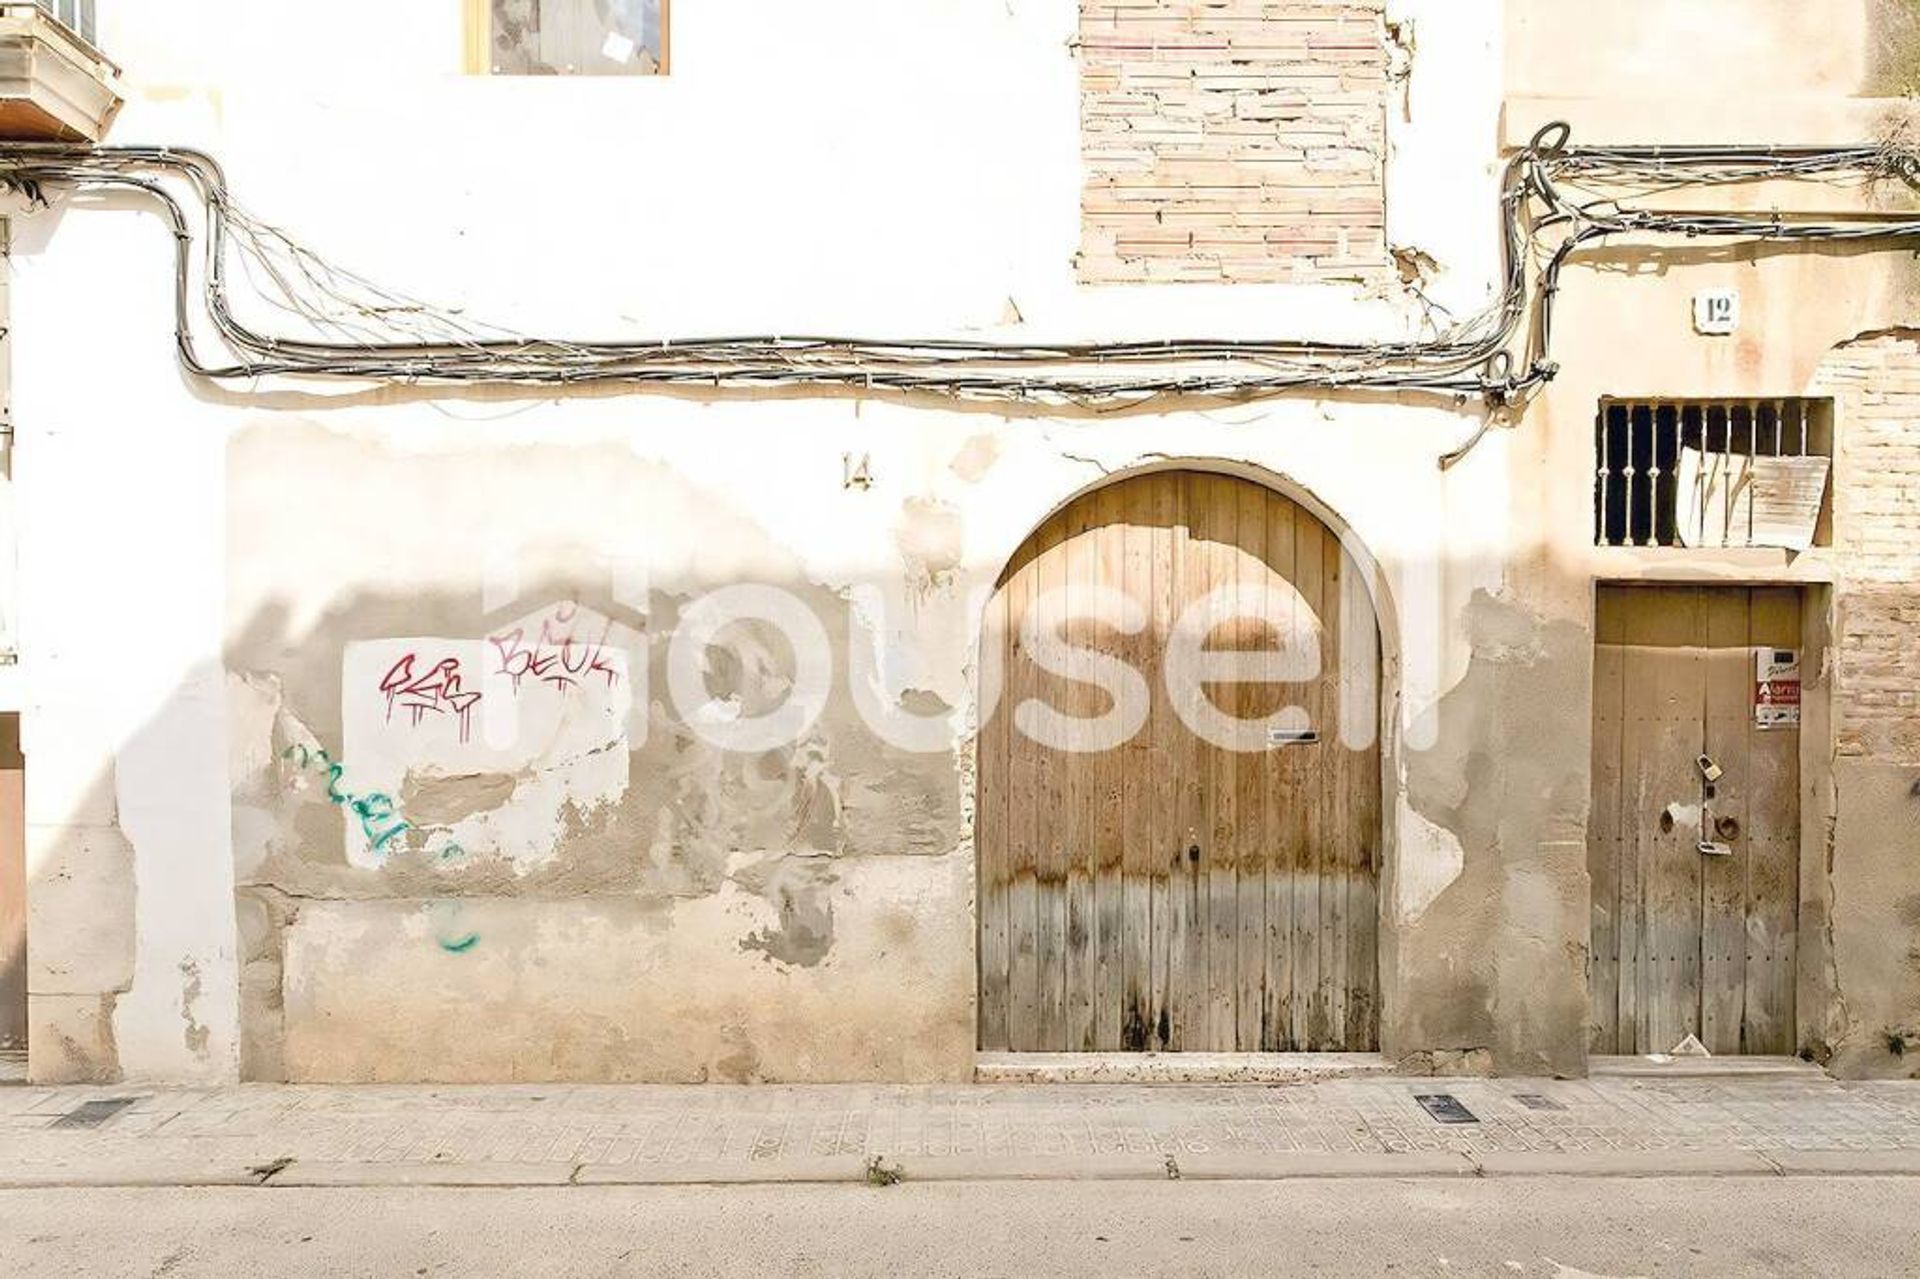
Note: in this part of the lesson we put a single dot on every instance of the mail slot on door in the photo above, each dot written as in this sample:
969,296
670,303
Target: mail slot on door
1292,737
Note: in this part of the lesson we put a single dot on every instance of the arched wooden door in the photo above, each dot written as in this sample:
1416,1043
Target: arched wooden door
1178,892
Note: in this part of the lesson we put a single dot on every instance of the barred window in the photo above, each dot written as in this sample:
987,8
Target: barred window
1713,473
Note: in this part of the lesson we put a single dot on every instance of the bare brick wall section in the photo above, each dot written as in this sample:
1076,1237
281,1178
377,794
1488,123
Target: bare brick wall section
1232,141
1876,674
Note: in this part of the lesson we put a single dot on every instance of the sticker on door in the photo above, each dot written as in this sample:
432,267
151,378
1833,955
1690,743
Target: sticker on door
1776,688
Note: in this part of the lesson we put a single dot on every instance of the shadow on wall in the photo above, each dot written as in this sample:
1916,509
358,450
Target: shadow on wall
623,898
475,839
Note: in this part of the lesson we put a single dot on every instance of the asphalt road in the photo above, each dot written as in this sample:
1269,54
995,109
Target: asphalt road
1566,1227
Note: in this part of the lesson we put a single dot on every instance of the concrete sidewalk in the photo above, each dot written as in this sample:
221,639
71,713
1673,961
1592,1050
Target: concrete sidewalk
537,1135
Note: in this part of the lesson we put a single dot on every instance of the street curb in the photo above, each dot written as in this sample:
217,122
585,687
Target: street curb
150,1177
843,1170
1625,1163
1851,1163
1311,1165
308,1175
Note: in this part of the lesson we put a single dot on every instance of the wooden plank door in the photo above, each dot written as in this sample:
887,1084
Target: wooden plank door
1171,891
1686,941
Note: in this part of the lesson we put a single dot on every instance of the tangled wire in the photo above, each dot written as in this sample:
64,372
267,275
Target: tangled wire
1556,199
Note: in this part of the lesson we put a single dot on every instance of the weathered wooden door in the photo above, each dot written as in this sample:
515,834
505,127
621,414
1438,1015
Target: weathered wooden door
1171,892
1694,839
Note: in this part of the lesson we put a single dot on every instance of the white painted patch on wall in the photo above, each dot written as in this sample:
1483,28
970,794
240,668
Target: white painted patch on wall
532,718
1430,858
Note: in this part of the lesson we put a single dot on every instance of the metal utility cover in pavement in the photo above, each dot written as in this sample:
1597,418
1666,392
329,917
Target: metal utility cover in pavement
1445,1108
1534,1101
91,1114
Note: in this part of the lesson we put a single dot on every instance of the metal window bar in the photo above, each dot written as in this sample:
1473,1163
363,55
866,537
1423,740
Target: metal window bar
1657,462
1603,478
76,15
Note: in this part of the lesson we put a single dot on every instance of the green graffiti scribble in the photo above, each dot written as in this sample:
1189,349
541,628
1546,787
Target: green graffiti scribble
375,810
447,930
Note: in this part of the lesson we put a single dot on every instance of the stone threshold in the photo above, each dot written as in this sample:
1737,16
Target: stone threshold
1177,1068
1703,1068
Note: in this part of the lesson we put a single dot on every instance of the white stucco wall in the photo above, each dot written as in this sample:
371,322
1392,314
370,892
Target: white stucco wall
875,168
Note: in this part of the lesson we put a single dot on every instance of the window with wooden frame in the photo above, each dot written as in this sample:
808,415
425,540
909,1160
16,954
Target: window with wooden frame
75,15
1713,473
567,37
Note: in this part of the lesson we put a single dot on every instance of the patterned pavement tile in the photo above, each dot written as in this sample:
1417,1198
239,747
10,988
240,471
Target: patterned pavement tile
765,1128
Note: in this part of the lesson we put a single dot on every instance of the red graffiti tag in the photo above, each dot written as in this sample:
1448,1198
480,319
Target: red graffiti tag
437,692
558,655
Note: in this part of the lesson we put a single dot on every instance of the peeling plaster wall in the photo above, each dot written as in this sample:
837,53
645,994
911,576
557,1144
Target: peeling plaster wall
219,580
804,915
1491,973
628,900
1809,326
794,915
131,970
217,583
1804,317
1866,905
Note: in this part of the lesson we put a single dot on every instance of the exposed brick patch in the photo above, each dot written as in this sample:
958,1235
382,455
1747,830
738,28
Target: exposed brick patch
1232,141
1876,669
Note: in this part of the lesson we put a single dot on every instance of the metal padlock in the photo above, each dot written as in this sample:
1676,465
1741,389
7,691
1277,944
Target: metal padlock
1710,770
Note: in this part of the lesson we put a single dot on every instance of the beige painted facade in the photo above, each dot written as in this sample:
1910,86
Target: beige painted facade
221,586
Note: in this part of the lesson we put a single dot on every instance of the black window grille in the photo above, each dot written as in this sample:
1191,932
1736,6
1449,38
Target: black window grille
1709,472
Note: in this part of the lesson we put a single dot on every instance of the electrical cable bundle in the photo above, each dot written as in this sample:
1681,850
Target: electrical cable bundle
357,329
